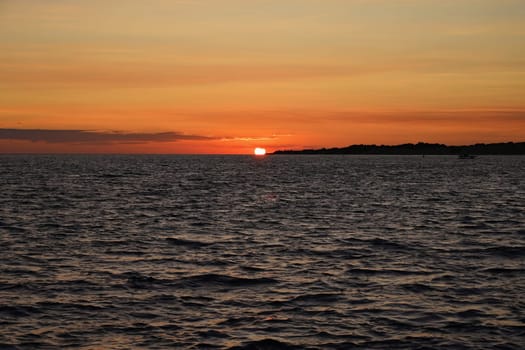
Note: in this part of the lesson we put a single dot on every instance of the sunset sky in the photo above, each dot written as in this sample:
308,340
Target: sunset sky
225,76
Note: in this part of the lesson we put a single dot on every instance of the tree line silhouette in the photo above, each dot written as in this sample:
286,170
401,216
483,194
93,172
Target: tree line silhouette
421,148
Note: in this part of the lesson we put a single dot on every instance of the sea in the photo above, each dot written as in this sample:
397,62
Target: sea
274,252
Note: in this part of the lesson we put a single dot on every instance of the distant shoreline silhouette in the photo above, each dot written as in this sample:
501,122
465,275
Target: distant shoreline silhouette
421,148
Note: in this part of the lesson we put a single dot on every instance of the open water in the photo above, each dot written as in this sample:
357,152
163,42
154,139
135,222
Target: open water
281,252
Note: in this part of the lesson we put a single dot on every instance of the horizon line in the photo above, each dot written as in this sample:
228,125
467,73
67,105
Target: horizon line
251,154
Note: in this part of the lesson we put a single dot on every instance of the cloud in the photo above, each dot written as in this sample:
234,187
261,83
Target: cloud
13,73
254,138
263,138
87,136
495,117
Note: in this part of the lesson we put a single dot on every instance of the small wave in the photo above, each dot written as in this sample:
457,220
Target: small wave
317,298
211,334
14,229
125,252
109,242
418,287
29,345
17,286
235,321
335,253
200,224
205,345
468,291
471,313
193,298
224,280
378,243
187,243
49,305
499,251
18,311
111,176
170,327
163,298
383,243
252,268
507,251
136,328
504,271
20,271
361,271
50,225
266,344
144,315
138,280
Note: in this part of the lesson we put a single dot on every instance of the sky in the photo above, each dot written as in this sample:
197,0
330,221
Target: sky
226,76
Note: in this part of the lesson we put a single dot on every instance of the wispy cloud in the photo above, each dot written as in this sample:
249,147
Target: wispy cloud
262,138
87,136
255,138
496,117
144,75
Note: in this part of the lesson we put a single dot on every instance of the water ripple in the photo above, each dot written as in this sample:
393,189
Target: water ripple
289,252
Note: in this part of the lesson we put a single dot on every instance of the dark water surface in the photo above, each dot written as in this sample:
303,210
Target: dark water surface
284,252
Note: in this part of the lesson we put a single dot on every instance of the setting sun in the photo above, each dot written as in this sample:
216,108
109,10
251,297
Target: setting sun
259,151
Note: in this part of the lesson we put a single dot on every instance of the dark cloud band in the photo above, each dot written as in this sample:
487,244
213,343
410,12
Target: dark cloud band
86,136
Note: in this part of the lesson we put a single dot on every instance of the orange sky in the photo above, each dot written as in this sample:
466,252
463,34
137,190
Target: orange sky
225,76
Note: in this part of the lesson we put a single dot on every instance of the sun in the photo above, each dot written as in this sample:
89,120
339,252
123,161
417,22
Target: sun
259,151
